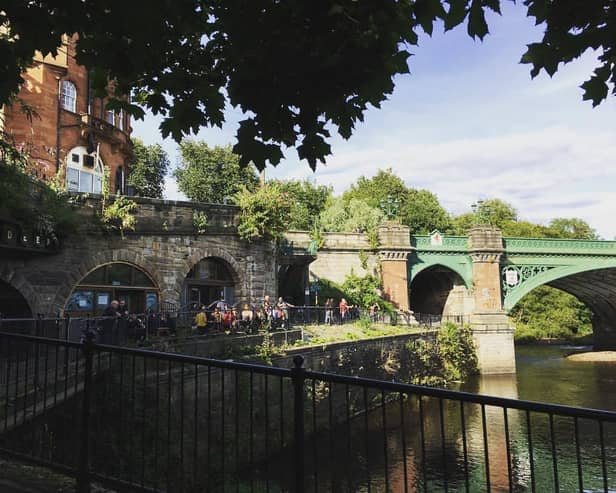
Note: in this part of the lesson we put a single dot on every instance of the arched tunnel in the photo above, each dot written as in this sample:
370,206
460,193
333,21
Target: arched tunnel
438,290
597,290
12,302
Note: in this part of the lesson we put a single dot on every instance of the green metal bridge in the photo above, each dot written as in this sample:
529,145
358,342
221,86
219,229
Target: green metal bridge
583,268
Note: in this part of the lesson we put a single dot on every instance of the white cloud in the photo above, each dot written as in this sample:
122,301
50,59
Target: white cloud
545,174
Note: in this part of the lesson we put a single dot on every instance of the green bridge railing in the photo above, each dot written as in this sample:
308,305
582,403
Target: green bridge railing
512,245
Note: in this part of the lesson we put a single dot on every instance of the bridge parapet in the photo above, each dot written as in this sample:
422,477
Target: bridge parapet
555,246
426,243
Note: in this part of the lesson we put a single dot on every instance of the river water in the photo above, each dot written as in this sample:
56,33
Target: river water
389,450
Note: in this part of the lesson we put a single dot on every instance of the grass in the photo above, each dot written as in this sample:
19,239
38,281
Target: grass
325,334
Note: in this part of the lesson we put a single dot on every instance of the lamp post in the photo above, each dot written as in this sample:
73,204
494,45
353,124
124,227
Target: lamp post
481,213
390,206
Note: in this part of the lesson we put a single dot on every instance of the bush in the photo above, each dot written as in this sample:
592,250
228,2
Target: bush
449,357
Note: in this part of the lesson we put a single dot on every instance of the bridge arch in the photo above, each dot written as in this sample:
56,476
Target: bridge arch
13,304
552,275
592,281
438,289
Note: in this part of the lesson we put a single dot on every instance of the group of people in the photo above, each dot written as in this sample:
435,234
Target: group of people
267,316
339,312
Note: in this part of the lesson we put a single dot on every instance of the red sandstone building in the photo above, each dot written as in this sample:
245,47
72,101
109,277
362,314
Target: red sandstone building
71,132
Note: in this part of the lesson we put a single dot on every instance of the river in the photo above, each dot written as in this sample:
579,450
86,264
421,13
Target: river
384,452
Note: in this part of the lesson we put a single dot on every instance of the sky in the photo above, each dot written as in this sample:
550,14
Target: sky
469,123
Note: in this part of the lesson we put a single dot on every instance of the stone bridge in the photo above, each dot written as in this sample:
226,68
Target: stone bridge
481,276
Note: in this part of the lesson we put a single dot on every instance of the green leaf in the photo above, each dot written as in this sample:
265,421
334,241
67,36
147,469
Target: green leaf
477,26
456,14
427,11
596,88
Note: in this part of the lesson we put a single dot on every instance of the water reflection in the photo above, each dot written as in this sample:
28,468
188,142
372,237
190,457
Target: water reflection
433,445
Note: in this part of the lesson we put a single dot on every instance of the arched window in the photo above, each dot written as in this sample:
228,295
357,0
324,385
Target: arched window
68,96
208,281
84,172
115,281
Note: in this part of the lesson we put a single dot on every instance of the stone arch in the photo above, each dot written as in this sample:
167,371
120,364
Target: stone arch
98,259
21,286
237,271
438,289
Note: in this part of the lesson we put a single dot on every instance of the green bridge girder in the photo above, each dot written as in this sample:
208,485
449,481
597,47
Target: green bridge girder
535,261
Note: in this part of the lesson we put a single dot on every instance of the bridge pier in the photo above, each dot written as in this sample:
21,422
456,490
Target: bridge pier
491,329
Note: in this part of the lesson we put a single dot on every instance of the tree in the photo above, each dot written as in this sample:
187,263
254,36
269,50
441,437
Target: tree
423,213
212,174
354,217
378,189
264,212
294,69
418,209
307,202
571,228
148,170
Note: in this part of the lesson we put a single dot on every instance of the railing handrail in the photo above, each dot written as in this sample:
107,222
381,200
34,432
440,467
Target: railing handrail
456,395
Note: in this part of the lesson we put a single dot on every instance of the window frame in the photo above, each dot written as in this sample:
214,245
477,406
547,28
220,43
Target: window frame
68,96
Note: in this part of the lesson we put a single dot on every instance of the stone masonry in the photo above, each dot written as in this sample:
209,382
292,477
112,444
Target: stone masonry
165,245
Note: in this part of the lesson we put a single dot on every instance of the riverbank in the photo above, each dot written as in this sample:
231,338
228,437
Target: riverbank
594,356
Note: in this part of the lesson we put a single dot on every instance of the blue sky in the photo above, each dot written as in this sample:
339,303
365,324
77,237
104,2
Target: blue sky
469,123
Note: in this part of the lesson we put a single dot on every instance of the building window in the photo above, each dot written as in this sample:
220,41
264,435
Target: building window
110,117
115,281
84,172
68,96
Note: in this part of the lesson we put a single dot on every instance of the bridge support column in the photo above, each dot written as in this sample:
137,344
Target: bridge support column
491,330
395,246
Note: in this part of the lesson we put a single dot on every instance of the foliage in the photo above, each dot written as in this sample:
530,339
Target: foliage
264,213
148,170
36,205
200,221
118,215
449,357
320,67
363,259
571,228
356,216
384,185
547,312
423,213
307,202
212,174
420,210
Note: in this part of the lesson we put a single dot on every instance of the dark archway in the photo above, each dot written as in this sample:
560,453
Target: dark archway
431,292
210,280
12,302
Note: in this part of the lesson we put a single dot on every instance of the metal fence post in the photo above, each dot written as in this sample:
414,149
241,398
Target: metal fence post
83,472
298,376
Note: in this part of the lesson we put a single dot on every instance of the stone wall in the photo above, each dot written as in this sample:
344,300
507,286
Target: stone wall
164,245
339,255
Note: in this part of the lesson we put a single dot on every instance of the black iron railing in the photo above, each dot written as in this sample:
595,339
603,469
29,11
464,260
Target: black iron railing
150,421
